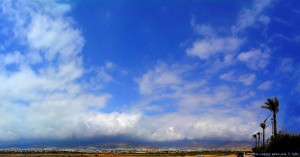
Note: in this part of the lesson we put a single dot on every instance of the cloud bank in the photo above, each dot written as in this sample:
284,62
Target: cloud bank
46,92
43,88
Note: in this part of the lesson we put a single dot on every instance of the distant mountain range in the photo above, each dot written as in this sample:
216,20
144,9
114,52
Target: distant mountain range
119,142
194,144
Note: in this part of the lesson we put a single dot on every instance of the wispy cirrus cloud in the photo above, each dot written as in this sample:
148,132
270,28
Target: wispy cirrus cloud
255,59
252,16
228,76
265,85
232,76
226,48
247,79
286,65
208,47
211,43
159,78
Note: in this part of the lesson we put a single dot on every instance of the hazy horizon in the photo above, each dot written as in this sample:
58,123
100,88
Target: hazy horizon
151,70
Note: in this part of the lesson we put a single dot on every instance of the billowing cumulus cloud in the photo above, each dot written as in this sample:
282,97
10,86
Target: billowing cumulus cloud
183,126
43,94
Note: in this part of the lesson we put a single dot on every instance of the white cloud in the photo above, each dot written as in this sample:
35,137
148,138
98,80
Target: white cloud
54,36
109,65
201,110
209,109
247,79
255,59
193,100
13,58
204,30
42,92
251,16
229,76
47,96
208,47
160,77
111,124
232,76
265,85
223,48
286,65
264,19
202,126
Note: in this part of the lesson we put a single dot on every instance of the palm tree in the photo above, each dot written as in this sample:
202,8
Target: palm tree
272,121
272,105
255,137
264,126
258,135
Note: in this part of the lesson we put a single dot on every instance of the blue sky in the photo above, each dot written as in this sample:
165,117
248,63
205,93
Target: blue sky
147,70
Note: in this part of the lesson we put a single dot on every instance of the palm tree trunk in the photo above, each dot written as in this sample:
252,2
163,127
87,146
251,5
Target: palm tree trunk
275,124
263,137
272,126
256,142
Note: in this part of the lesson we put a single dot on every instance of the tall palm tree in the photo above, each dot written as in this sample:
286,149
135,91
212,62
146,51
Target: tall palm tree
258,135
264,126
255,137
272,104
272,121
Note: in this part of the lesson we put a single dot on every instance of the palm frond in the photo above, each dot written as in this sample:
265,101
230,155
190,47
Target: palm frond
263,125
266,119
271,104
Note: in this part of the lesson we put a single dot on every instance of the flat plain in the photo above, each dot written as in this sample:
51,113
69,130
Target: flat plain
108,155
